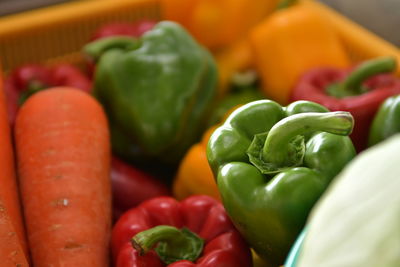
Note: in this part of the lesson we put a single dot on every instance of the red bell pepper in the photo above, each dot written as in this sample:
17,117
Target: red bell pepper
132,186
359,90
12,96
30,78
68,75
135,29
178,230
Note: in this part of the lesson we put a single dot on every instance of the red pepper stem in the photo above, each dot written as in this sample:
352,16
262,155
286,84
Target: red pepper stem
278,148
352,85
173,244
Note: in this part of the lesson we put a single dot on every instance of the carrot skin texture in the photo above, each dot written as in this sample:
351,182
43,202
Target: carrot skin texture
8,183
11,251
63,153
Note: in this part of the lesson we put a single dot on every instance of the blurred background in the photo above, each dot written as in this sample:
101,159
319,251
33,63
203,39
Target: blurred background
380,16
8,7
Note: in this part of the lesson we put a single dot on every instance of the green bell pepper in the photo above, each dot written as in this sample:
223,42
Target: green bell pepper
156,91
272,163
386,121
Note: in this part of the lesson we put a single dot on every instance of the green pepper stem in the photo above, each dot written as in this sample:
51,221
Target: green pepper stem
285,4
352,85
277,144
33,87
96,48
173,244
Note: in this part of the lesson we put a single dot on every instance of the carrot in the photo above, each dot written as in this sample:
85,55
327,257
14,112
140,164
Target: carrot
11,252
8,183
63,155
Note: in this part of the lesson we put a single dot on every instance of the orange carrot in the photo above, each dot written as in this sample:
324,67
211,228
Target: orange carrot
63,155
8,184
11,252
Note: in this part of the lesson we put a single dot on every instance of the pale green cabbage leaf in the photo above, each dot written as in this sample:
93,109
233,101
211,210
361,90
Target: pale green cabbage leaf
357,221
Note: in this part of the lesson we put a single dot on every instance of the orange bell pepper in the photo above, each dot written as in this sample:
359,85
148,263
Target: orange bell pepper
216,23
291,41
194,174
234,58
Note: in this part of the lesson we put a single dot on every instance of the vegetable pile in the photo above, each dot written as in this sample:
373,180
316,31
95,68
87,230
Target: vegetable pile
217,136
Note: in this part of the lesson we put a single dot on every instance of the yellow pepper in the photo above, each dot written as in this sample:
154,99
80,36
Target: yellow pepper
194,174
216,23
288,43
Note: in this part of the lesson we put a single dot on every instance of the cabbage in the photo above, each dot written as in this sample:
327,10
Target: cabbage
356,223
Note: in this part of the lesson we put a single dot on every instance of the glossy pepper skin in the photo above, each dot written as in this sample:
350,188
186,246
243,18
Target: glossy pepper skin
217,23
359,90
272,163
386,121
194,176
131,186
31,78
133,29
204,216
156,91
288,43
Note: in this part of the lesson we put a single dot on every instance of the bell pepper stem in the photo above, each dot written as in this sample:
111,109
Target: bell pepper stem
285,4
95,49
34,87
277,144
352,85
173,244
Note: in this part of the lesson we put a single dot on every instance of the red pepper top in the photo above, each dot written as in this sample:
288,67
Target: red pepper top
68,75
135,29
30,75
203,215
326,86
30,78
